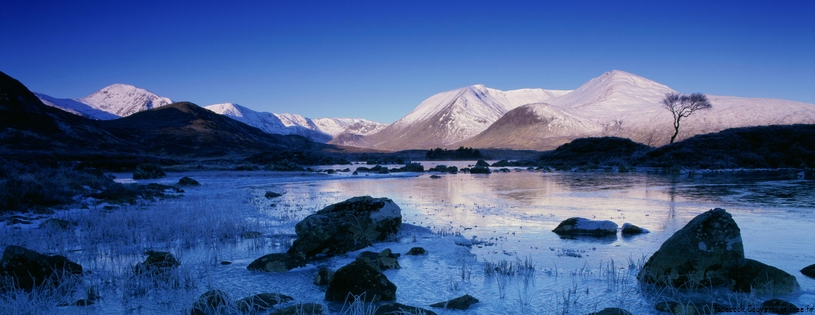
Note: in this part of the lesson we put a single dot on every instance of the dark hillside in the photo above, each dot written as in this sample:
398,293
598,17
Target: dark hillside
595,151
750,147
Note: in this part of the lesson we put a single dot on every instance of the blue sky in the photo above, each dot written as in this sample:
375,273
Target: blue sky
379,59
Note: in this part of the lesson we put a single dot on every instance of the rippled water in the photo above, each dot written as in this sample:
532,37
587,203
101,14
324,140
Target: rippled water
509,216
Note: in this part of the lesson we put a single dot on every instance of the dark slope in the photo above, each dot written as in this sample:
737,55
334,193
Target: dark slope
185,129
26,124
750,147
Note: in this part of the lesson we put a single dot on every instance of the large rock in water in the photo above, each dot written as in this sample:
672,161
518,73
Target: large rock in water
360,280
29,269
582,226
699,254
751,275
347,226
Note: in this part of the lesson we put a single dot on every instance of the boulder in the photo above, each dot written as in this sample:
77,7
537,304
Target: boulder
761,278
416,251
382,261
271,194
186,181
277,262
460,303
630,229
346,226
400,309
480,170
157,262
306,308
582,226
809,271
779,307
261,302
360,280
28,269
148,171
482,163
612,311
211,302
700,254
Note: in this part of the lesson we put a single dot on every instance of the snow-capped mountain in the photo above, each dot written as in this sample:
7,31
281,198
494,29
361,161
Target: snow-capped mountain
450,117
621,104
111,102
319,129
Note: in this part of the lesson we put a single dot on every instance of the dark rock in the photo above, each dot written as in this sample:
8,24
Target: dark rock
482,163
271,194
779,307
28,269
277,262
323,277
186,181
452,170
439,168
211,302
688,308
157,262
416,251
346,226
435,176
382,261
630,229
809,271
261,302
612,311
400,309
55,224
460,303
148,171
762,278
480,170
700,254
307,308
411,167
360,280
582,226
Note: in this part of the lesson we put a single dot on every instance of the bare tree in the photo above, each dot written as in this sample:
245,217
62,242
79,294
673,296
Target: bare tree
684,105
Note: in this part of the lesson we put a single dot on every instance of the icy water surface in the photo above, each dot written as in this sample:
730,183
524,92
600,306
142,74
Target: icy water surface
501,217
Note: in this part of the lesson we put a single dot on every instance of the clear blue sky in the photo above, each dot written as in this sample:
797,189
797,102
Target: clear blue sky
380,59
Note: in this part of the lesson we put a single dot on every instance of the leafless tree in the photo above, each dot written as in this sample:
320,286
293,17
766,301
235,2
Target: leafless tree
683,105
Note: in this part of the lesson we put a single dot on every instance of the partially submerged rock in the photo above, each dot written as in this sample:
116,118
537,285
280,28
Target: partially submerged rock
28,269
612,311
582,226
277,262
271,194
157,262
460,303
416,251
210,302
346,226
261,302
699,254
400,309
809,271
186,181
761,279
383,261
630,229
360,280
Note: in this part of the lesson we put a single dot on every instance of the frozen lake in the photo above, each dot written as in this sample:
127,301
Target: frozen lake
504,216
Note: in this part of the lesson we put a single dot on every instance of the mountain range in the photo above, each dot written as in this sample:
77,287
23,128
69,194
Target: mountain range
616,103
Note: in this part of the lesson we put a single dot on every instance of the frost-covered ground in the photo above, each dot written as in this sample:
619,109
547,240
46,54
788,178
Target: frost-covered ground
504,218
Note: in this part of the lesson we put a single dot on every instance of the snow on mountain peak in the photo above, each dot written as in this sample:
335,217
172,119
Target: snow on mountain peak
124,99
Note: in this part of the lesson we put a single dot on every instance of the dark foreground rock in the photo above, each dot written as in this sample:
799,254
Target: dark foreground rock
277,262
582,226
400,309
211,302
360,280
261,302
612,311
779,307
460,303
809,271
157,262
28,269
700,254
761,278
186,181
346,226
415,251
